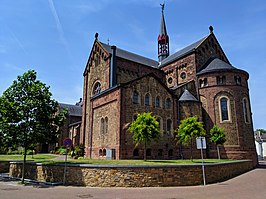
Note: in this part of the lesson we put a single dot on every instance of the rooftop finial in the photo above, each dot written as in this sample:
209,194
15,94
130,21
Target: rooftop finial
211,29
162,5
96,36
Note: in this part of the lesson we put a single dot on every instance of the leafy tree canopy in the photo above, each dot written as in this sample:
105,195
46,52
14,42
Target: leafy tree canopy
145,129
261,130
27,113
217,135
189,129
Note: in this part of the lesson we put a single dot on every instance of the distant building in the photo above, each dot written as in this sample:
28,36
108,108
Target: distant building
197,80
71,127
260,141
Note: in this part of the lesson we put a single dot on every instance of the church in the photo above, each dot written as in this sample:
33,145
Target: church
197,80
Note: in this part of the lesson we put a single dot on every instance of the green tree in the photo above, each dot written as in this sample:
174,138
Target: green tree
145,129
217,136
261,130
189,129
28,114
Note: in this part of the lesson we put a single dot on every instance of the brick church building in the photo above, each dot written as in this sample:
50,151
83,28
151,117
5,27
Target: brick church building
197,80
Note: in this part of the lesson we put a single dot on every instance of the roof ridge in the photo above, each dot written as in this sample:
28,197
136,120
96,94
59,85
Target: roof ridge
183,51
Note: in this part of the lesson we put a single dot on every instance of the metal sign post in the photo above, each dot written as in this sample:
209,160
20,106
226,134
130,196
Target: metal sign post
201,144
67,143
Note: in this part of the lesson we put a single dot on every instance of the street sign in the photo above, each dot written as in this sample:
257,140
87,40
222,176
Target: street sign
67,142
201,142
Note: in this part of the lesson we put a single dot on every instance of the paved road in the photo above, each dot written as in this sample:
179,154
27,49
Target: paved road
251,185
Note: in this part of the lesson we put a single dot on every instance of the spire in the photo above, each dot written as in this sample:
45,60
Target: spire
163,39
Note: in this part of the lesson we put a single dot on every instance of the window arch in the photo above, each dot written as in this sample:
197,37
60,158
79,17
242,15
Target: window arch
96,88
135,97
246,111
104,152
106,125
147,99
168,103
136,152
160,121
135,116
102,126
169,125
100,152
148,152
224,106
157,102
160,152
170,153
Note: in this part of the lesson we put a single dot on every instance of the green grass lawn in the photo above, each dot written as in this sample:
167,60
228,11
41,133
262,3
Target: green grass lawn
50,159
36,158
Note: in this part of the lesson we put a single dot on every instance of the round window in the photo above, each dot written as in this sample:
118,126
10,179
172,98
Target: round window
183,75
170,80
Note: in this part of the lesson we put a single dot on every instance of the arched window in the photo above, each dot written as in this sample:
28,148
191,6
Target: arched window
135,97
168,103
170,153
147,100
136,152
224,108
246,110
102,126
135,117
157,102
168,125
148,152
160,152
100,152
104,152
159,120
97,88
106,124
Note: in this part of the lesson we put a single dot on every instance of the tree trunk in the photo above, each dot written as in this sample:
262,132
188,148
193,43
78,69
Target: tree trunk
145,158
191,153
24,164
218,151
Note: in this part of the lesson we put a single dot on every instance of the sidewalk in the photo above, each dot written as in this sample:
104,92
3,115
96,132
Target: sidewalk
249,185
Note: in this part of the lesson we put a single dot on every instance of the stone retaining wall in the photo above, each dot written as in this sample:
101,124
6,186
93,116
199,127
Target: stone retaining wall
4,166
132,176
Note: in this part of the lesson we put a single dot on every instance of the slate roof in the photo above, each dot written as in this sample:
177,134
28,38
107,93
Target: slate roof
73,110
217,65
131,56
181,52
187,96
163,26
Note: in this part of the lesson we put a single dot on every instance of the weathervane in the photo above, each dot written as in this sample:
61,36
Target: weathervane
162,5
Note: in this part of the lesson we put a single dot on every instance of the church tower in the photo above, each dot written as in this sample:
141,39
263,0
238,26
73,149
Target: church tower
163,39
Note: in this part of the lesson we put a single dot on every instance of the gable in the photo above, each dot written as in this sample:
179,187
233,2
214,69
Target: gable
208,49
97,55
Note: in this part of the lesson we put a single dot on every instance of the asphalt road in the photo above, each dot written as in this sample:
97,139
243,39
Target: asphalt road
251,185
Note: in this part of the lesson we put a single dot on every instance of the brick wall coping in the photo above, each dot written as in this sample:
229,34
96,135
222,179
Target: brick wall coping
131,166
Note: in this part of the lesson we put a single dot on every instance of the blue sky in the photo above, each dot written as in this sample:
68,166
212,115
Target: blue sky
54,37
